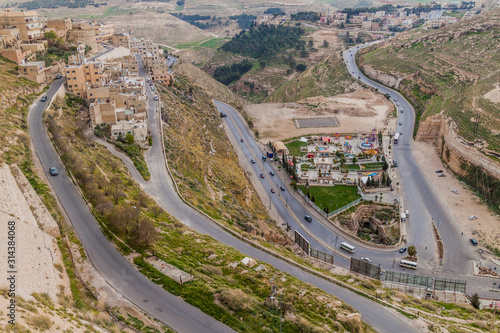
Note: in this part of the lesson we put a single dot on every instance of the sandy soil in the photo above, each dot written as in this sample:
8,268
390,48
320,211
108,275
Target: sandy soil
494,95
359,111
36,254
461,205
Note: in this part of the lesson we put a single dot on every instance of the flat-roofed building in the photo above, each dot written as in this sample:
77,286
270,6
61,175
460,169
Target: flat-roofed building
122,39
85,36
27,22
34,71
79,76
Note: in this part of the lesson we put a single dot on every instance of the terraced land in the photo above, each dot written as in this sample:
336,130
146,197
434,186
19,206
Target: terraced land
454,70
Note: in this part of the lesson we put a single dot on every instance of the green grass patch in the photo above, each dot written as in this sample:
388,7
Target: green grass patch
333,197
294,148
135,153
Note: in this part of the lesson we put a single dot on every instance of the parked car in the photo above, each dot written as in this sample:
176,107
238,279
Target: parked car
271,173
43,99
455,191
308,218
401,110
261,175
473,241
402,250
400,123
366,259
272,190
53,171
441,175
395,163
438,171
282,188
400,133
156,97
253,160
242,140
473,217
59,76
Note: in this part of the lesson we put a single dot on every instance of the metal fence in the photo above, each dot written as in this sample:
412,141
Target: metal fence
441,284
302,242
409,279
322,256
365,268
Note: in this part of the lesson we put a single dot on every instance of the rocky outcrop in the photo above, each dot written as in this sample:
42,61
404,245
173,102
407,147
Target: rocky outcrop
431,128
382,77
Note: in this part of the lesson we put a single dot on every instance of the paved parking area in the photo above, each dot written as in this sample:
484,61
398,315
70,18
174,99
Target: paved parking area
317,122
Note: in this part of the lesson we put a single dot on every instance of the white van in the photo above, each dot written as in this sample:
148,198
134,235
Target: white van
407,213
156,97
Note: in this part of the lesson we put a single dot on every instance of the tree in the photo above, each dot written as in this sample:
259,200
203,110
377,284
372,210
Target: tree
312,198
120,217
115,189
87,48
143,233
385,166
300,67
129,138
311,43
325,43
475,301
412,251
354,160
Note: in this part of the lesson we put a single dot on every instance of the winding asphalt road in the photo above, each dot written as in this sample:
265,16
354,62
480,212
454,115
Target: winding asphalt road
122,276
112,266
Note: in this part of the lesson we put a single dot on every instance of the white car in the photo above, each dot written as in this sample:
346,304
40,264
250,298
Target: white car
366,259
455,191
472,217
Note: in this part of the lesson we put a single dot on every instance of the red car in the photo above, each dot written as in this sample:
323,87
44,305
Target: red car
261,175
272,190
242,140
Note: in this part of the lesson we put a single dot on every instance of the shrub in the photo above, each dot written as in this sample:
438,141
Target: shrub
41,322
475,301
236,299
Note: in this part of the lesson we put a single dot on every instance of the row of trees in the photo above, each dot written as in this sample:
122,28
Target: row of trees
106,194
244,21
226,74
306,16
264,41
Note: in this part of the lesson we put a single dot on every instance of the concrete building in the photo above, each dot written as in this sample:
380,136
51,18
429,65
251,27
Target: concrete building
138,129
27,22
79,76
34,71
60,27
122,39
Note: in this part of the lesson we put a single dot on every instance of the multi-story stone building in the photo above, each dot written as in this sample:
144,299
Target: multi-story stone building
79,76
27,22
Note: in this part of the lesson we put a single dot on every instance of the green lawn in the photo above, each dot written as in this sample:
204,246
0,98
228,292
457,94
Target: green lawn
332,196
294,148
351,166
373,166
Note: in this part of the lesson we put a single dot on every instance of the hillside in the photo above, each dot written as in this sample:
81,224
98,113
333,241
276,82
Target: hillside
214,88
454,70
327,78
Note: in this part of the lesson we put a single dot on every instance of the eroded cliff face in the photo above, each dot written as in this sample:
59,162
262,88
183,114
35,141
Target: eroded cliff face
382,77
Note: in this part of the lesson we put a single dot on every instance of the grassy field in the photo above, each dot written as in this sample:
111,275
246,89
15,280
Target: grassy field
210,43
294,148
332,197
449,72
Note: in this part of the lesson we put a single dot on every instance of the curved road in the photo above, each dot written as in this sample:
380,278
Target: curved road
112,266
151,298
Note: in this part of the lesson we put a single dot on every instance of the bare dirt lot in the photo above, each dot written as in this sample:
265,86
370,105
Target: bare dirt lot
462,205
359,112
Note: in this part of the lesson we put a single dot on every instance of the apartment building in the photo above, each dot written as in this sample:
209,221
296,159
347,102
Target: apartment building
27,22
122,39
79,76
84,36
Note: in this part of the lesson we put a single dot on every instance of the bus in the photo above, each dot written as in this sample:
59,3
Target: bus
408,264
396,138
347,247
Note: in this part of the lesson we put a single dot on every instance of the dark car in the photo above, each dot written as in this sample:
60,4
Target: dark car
438,171
242,140
402,250
53,171
282,188
441,175
59,76
272,190
271,173
43,99
308,218
473,241
261,175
